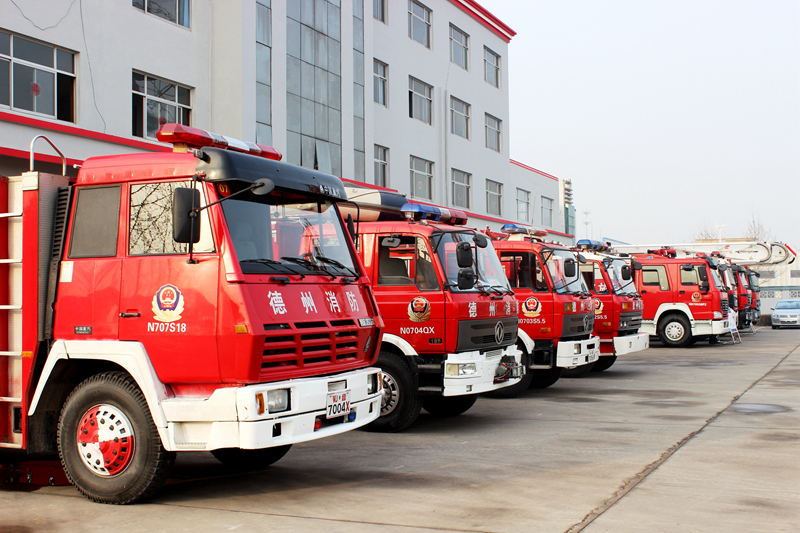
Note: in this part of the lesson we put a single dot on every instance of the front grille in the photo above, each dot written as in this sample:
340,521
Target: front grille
576,326
479,334
724,305
311,348
633,321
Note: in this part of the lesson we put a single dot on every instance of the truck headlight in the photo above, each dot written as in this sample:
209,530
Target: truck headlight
577,349
461,369
278,400
717,314
373,380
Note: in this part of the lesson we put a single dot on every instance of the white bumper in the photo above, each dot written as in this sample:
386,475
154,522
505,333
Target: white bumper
485,368
230,419
631,343
570,354
710,327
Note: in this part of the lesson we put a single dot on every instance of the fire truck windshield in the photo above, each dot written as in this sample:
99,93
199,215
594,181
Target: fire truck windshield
271,234
615,274
562,284
489,272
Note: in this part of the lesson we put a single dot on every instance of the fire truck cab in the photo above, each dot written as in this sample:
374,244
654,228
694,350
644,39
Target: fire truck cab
683,297
168,302
450,314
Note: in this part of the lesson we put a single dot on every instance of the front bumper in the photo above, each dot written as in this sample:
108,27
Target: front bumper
230,419
570,354
785,321
631,343
485,370
711,327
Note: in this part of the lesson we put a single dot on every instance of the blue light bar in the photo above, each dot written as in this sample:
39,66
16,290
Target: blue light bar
588,244
421,212
519,229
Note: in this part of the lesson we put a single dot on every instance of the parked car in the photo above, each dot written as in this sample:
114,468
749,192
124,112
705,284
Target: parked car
786,313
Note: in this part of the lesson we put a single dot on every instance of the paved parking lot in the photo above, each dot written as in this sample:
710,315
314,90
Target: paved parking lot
703,439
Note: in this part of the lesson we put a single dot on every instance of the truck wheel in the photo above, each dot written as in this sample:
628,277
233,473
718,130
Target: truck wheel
400,404
449,405
578,371
108,443
240,459
674,331
713,339
541,379
512,391
604,363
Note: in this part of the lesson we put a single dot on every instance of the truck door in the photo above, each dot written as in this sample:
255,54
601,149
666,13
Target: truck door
596,279
409,292
166,303
699,301
655,289
525,274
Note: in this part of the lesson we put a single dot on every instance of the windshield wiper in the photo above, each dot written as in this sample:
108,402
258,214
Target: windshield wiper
337,264
309,265
272,263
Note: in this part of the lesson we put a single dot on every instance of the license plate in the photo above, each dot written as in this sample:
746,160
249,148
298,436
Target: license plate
338,403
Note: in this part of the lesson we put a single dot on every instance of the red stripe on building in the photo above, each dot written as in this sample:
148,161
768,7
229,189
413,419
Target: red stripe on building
482,15
526,167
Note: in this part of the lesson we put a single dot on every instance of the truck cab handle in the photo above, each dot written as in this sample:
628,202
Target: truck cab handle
130,315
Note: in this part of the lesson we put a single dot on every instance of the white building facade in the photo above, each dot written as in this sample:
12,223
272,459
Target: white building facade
98,77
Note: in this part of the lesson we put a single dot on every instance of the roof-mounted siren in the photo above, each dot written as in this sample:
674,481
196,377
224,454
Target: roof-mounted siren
593,246
418,212
184,138
519,231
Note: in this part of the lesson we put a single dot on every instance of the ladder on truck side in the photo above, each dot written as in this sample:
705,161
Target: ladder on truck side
27,209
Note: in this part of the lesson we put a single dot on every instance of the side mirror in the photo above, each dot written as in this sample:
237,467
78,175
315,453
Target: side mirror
772,308
704,286
722,267
481,241
626,273
390,242
581,259
351,227
183,230
466,279
464,255
637,265
703,274
570,269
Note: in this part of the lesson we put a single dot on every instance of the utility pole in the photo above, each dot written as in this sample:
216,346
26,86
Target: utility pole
586,222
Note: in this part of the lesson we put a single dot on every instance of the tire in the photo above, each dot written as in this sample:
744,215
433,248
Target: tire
604,363
578,371
674,331
713,339
775,327
127,469
512,391
400,405
445,406
250,459
541,379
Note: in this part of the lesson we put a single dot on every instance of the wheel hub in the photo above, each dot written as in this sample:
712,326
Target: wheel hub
105,440
391,394
674,331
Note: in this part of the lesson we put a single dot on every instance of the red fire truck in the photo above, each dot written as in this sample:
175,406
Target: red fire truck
166,302
617,305
683,298
556,314
755,304
451,317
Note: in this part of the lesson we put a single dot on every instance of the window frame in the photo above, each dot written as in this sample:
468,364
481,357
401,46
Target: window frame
661,272
466,184
380,81
382,164
498,194
547,210
497,132
466,117
428,174
57,73
487,52
379,11
179,108
527,202
426,98
465,46
428,23
187,16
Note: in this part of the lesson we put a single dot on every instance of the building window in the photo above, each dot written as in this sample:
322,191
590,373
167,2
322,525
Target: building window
459,117
421,178
523,205
379,10
359,91
493,130
494,198
176,11
419,23
462,189
157,102
459,47
263,73
36,77
419,100
381,166
547,211
491,67
380,85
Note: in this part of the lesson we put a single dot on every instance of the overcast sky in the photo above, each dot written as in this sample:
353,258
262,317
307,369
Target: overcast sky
668,116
